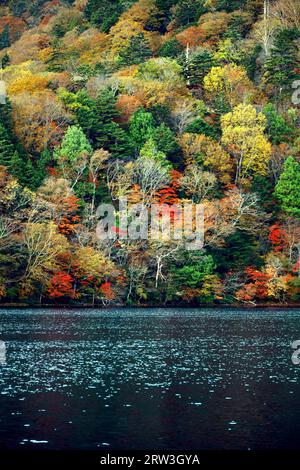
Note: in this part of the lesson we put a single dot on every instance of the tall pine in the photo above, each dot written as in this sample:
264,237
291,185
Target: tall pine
287,188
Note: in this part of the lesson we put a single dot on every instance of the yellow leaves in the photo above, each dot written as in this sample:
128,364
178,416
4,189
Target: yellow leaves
227,51
89,262
40,119
27,82
90,45
45,54
122,32
201,148
245,116
132,22
157,81
275,271
44,245
141,11
243,135
152,93
231,81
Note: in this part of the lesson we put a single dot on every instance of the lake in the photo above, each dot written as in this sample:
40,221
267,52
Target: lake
150,379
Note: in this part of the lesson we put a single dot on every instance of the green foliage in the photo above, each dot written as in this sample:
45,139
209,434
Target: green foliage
4,38
107,133
17,6
73,145
56,60
150,151
166,142
278,129
140,128
171,48
231,5
287,188
5,61
193,273
103,13
97,119
198,66
137,51
164,12
199,126
264,188
171,136
161,69
241,251
41,166
7,148
281,66
186,12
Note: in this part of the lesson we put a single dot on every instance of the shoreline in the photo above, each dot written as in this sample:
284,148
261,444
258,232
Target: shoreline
152,306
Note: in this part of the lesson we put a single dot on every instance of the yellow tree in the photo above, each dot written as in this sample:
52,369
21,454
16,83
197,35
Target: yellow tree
199,148
243,135
44,244
132,22
230,81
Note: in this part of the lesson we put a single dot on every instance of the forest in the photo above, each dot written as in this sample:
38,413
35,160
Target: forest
155,101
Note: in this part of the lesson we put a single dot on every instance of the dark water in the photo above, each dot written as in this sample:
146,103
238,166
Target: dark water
149,379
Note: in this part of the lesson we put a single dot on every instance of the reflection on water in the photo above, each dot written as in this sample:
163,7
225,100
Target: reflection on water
149,379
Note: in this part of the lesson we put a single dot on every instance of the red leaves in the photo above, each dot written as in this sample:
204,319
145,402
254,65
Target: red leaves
169,195
61,285
278,237
70,218
107,291
257,288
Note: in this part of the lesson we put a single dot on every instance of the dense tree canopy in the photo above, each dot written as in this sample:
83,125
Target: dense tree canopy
161,102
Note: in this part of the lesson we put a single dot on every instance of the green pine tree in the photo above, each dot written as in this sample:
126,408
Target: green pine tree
281,66
136,52
18,168
4,38
103,13
287,188
41,166
7,149
106,133
56,61
171,48
197,66
140,128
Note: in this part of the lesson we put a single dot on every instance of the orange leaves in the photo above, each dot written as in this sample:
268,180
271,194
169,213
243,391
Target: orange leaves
29,46
107,291
2,290
16,26
61,285
208,31
70,217
256,288
127,105
278,237
169,194
192,36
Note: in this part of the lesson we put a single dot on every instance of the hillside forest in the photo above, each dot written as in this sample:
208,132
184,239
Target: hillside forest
155,101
